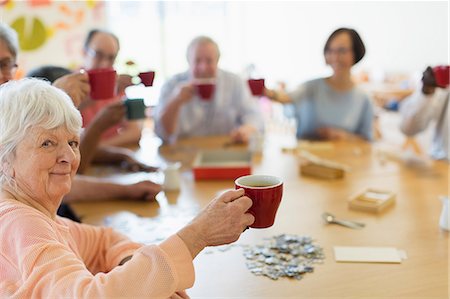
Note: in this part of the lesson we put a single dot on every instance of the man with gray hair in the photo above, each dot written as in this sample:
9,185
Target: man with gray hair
181,112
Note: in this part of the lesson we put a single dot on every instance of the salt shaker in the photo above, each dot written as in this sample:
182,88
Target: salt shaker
256,143
172,177
444,222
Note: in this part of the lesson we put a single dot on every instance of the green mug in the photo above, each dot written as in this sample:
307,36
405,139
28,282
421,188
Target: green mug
135,108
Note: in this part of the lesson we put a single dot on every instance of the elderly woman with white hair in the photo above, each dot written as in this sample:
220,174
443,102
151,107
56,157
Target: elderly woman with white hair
46,256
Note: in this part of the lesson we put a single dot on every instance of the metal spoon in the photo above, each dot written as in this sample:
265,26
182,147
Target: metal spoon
330,218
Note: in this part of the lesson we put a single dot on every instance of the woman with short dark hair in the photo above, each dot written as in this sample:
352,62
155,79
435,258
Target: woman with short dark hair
334,107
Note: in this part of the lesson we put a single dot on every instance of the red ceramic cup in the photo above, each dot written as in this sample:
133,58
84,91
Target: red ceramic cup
265,191
103,83
147,78
441,74
256,86
205,90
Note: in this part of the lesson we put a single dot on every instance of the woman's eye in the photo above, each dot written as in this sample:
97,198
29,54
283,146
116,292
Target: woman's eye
74,144
47,143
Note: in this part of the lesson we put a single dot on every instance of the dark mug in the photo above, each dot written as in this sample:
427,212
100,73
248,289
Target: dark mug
135,108
103,83
147,78
266,192
256,86
441,74
205,90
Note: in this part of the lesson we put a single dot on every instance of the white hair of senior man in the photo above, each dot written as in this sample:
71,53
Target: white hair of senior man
30,103
201,40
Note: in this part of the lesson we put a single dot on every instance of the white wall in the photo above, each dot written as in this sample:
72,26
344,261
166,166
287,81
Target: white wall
283,39
66,25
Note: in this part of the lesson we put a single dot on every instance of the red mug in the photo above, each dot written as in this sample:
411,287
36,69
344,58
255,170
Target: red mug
147,78
441,74
266,192
256,86
103,83
205,90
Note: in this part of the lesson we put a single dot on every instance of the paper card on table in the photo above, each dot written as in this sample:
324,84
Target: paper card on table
368,254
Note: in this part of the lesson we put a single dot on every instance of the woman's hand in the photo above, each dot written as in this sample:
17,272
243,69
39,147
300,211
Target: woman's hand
110,115
243,133
428,81
145,190
330,133
221,222
76,85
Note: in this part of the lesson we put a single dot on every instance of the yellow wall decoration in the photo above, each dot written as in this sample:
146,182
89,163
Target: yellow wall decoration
30,37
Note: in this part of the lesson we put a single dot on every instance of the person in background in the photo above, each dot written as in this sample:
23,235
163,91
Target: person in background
77,86
333,108
90,150
231,111
47,256
74,84
100,51
425,106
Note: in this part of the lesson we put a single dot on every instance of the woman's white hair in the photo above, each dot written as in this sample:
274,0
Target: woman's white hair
29,103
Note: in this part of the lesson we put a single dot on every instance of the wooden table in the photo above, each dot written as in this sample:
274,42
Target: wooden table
412,224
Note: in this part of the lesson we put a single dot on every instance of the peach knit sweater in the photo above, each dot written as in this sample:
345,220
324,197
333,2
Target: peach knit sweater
45,258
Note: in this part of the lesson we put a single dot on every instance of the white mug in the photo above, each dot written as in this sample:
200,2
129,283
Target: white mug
172,176
444,222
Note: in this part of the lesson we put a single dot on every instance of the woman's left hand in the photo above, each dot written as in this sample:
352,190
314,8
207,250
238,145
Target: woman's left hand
330,133
242,134
131,164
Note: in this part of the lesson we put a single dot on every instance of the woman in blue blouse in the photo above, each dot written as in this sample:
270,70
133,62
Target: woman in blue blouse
332,108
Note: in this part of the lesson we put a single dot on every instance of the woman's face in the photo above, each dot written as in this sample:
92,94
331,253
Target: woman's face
45,163
339,54
6,61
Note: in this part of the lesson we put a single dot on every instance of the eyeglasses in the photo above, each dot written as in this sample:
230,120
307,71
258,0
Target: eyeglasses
99,55
338,51
7,66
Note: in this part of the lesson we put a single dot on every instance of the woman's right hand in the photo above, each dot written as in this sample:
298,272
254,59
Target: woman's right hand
221,222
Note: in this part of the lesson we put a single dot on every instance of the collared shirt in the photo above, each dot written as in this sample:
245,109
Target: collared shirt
419,110
230,107
316,105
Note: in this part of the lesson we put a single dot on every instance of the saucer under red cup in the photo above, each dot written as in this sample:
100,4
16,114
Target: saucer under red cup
266,192
441,74
103,83
147,78
256,86
205,90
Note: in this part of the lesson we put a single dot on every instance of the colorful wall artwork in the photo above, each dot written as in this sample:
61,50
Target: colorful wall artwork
51,31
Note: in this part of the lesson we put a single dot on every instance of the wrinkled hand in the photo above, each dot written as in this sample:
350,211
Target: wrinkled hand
243,133
110,115
221,222
185,92
428,81
145,190
76,85
131,164
330,133
123,81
